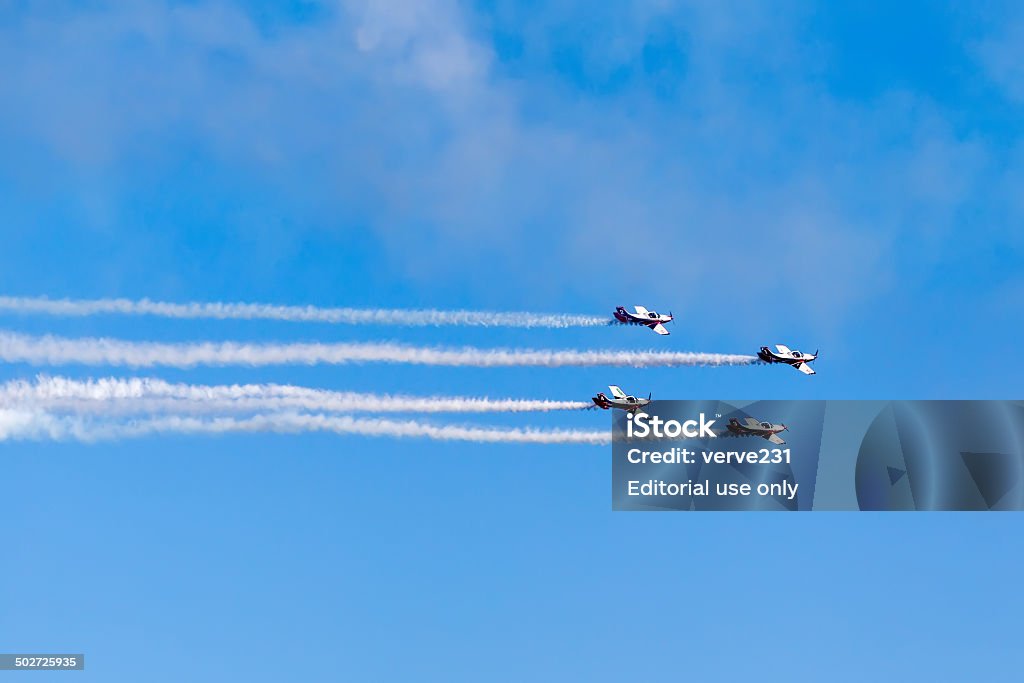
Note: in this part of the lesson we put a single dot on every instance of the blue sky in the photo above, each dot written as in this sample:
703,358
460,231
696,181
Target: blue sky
826,175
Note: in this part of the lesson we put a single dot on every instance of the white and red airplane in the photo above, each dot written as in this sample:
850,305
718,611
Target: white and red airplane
782,354
641,316
619,400
751,427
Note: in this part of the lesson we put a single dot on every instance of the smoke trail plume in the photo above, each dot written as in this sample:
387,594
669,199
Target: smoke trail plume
139,395
97,351
26,424
249,311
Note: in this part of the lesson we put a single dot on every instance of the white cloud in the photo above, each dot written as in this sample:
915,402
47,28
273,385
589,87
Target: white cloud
1002,56
749,175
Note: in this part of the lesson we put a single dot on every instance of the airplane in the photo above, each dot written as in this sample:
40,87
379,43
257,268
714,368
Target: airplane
751,427
642,316
620,400
782,354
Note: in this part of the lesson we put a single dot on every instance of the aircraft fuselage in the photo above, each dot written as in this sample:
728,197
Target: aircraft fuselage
630,403
769,356
627,318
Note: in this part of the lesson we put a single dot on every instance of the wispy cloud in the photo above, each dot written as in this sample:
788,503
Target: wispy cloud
696,130
1001,54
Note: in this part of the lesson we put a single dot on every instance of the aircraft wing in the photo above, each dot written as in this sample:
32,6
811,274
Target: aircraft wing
804,368
617,392
641,311
751,422
660,329
783,349
776,439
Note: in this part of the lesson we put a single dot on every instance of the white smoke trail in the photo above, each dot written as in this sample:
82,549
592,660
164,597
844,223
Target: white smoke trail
248,311
35,425
139,395
97,351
